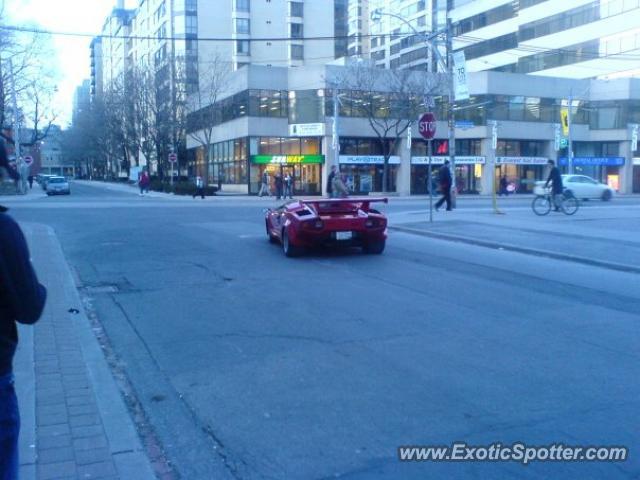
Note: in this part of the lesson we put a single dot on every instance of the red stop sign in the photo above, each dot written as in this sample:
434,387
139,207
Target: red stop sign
427,125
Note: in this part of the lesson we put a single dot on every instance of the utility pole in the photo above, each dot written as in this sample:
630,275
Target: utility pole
569,139
335,141
451,115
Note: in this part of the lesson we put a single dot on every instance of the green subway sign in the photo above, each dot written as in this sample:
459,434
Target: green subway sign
287,159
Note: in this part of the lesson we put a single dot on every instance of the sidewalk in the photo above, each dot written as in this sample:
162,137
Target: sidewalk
601,235
75,424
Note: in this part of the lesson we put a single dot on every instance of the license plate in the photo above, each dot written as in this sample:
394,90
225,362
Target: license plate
343,235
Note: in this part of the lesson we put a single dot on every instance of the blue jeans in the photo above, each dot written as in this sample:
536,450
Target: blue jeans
9,429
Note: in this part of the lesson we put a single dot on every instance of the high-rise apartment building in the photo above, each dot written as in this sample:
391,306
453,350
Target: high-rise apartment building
97,78
81,101
568,38
256,29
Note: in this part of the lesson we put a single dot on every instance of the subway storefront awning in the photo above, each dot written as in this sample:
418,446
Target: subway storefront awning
287,159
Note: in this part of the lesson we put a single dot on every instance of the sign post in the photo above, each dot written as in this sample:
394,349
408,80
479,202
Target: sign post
173,158
427,128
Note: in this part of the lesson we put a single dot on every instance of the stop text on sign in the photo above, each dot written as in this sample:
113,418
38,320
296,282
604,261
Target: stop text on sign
427,125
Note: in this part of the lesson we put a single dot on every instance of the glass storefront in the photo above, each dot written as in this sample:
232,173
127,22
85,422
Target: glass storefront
362,164
598,160
468,174
362,179
635,184
299,157
469,165
229,164
522,161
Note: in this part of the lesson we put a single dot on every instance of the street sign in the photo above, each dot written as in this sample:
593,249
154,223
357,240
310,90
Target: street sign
28,160
634,138
464,124
427,125
556,143
461,87
173,158
494,135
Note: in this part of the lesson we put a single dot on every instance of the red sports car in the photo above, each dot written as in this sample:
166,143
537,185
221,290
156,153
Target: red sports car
309,223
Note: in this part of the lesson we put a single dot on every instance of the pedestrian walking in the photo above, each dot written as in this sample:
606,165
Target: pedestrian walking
30,179
143,182
279,184
444,178
199,187
556,185
330,178
264,187
22,300
340,189
503,186
288,185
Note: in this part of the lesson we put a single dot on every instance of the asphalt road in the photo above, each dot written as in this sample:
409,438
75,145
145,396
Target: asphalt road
250,365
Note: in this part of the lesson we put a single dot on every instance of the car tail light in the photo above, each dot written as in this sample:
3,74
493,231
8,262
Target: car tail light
316,224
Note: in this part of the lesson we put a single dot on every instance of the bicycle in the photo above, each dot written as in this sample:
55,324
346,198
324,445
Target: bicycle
542,204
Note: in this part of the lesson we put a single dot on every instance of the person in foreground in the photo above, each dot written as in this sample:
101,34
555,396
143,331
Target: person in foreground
22,300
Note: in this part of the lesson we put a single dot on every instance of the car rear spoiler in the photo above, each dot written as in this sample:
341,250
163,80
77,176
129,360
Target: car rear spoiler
364,202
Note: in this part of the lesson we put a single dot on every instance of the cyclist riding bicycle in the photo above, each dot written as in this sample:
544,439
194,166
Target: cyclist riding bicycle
556,185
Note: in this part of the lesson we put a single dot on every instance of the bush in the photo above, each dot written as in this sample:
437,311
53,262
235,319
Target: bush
179,188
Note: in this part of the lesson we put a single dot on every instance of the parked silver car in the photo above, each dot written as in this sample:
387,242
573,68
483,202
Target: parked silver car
582,187
57,186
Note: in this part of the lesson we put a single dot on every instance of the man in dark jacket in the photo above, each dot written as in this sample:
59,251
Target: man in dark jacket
279,184
556,185
22,299
444,178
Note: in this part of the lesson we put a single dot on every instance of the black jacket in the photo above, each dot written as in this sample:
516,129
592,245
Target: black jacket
556,179
22,298
444,177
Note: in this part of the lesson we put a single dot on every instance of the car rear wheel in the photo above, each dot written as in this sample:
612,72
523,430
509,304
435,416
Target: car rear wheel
606,195
288,249
374,247
272,239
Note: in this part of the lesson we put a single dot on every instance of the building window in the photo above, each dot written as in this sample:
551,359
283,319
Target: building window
242,25
191,5
191,24
243,47
242,5
296,9
297,52
296,30
161,33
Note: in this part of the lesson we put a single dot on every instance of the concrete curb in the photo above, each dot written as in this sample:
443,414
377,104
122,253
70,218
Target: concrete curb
125,447
515,248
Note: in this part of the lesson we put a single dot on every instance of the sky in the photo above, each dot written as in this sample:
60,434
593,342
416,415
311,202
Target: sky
72,53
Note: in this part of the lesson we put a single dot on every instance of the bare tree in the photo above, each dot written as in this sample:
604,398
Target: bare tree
145,113
204,114
391,101
31,78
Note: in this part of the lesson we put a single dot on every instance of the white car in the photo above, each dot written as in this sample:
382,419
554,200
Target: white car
582,187
57,186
